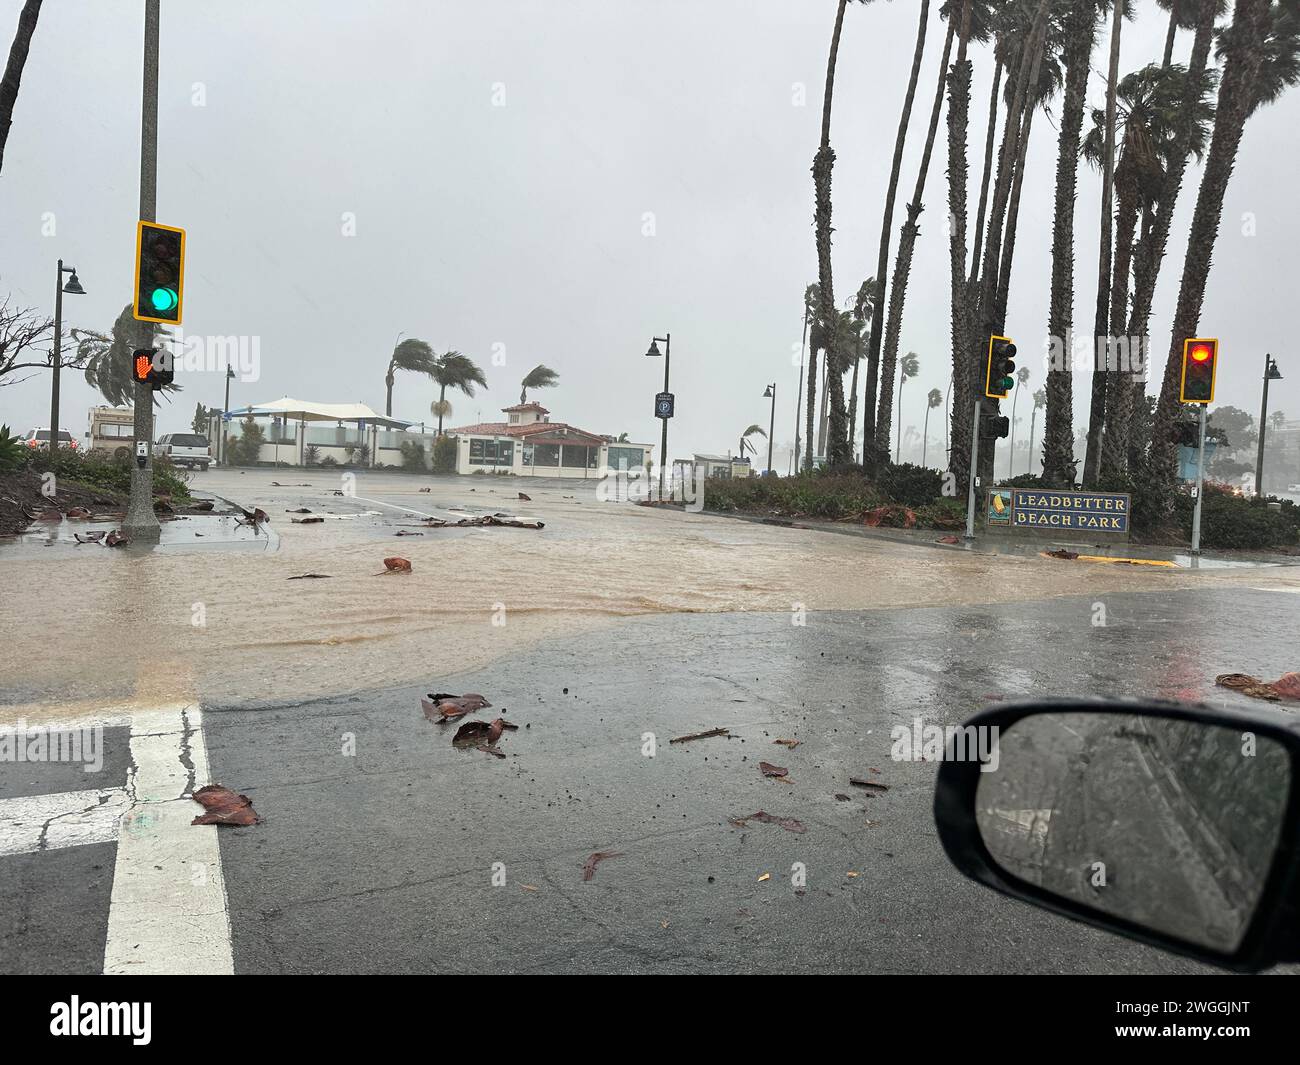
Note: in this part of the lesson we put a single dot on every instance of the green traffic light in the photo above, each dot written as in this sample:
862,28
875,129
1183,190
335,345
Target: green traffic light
163,299
1007,384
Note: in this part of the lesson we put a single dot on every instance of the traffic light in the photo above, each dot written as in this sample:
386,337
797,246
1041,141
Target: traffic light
999,377
159,273
1200,360
994,427
150,366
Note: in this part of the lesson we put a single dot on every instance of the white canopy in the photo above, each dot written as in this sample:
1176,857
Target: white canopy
302,410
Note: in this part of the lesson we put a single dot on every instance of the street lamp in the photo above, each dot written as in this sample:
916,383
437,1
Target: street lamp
1270,374
73,287
667,412
770,393
225,414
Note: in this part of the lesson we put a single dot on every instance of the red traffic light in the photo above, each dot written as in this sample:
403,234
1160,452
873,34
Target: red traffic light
1200,364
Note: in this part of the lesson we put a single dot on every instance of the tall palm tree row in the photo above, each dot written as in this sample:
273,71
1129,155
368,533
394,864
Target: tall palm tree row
882,257
1079,34
1101,328
1260,61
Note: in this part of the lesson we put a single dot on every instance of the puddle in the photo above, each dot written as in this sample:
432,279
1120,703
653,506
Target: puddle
182,534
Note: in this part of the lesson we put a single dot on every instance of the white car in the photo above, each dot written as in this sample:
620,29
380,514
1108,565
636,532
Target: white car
38,439
185,449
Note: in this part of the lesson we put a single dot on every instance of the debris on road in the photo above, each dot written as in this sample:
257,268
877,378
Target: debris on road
1287,686
89,538
526,499
484,733
253,518
395,565
482,519
949,539
858,782
894,516
310,577
589,866
765,876
314,520
277,484
224,807
441,707
298,510
426,489
403,532
116,538
791,744
701,735
770,770
788,823
1060,552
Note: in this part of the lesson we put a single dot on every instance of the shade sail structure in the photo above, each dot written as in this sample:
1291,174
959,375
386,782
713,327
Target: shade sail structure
303,410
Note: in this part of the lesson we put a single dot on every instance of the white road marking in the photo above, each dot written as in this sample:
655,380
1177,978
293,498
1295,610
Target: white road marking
168,913
33,823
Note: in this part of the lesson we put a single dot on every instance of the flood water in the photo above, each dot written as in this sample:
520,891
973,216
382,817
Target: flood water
89,626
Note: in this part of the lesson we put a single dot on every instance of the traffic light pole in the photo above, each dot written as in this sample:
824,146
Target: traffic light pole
1200,487
141,523
974,465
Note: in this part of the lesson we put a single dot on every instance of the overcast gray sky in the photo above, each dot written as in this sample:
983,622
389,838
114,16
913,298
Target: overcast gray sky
520,229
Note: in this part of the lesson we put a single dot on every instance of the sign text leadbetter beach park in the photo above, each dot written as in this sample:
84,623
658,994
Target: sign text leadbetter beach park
1034,509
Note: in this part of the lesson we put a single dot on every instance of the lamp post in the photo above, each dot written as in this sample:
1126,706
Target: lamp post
73,287
770,393
225,414
653,353
1270,374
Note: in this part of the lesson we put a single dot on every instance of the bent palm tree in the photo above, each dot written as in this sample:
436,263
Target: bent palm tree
745,445
932,400
107,359
538,377
908,366
14,68
1262,59
414,356
454,370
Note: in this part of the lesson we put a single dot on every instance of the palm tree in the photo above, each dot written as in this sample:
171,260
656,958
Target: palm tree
882,258
538,377
1040,401
1278,418
1080,31
809,314
1260,51
107,359
14,68
932,400
861,315
1097,406
1150,103
823,164
1181,17
414,356
1022,378
745,445
454,370
440,408
908,366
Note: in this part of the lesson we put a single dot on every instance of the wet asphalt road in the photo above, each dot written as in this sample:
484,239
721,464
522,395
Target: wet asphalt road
384,860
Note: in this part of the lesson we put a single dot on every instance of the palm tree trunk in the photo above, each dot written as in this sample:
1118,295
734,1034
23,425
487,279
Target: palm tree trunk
388,385
442,398
1058,421
1119,385
882,257
1169,35
798,398
1033,422
1150,256
853,401
988,171
903,261
1097,407
925,435
821,427
898,446
810,376
823,165
962,359
1250,23
1013,219
14,71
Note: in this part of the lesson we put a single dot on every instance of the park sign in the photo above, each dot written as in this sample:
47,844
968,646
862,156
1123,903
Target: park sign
1050,511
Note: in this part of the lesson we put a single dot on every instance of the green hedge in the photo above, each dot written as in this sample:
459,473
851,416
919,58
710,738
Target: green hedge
112,474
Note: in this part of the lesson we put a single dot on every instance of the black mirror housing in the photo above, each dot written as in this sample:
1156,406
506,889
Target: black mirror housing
1273,932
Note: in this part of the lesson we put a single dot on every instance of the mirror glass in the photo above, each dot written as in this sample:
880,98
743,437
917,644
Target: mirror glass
1171,824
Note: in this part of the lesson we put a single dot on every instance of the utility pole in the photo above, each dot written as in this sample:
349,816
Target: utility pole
1270,374
141,523
225,419
974,460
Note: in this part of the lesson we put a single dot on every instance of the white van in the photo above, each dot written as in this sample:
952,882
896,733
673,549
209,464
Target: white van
185,449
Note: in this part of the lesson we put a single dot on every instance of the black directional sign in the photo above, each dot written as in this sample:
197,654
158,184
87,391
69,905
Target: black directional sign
664,405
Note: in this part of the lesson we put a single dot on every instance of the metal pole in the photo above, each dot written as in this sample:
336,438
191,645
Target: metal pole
57,358
974,464
141,523
1200,487
225,412
771,431
663,445
1263,418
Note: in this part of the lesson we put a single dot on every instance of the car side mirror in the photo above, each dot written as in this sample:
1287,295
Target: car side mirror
1176,825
